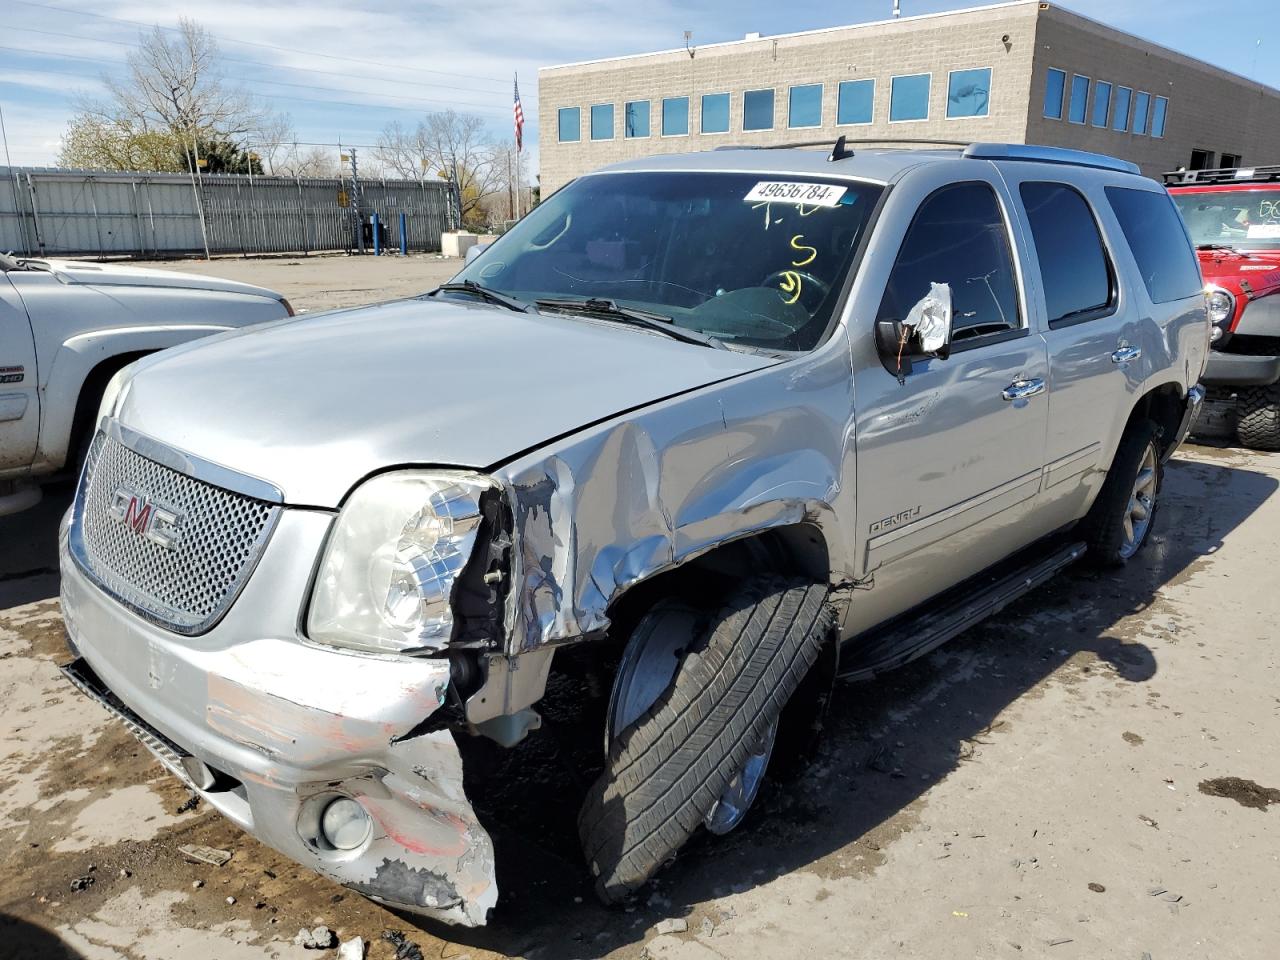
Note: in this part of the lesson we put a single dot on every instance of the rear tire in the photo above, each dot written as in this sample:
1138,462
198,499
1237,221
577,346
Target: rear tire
1259,422
666,772
1115,528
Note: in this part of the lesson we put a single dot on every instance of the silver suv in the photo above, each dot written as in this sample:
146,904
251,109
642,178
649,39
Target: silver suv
728,420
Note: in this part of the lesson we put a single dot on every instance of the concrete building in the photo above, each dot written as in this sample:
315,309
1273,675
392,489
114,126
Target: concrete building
1019,72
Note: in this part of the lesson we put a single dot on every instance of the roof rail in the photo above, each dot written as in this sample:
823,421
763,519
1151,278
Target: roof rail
1042,154
1223,175
841,149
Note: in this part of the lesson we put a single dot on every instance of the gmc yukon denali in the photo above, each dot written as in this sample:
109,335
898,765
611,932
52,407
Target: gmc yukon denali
729,419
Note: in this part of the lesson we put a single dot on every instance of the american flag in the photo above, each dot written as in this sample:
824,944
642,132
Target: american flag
518,114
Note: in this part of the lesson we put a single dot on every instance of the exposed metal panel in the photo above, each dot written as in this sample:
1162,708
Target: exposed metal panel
45,211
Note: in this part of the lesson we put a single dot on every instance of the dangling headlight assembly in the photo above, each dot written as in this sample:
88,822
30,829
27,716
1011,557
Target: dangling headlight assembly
1222,308
391,561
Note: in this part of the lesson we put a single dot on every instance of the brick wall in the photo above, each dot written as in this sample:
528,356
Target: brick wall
931,44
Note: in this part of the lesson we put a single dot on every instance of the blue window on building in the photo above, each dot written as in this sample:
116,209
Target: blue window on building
1054,86
805,107
1120,118
909,98
968,92
637,118
602,121
1101,103
1158,114
757,110
854,101
675,116
1141,104
570,124
715,113
1079,104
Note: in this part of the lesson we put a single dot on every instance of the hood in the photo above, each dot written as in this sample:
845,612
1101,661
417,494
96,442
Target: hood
315,404
118,275
1260,269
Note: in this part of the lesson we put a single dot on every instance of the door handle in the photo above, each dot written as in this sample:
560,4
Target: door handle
1022,389
1126,354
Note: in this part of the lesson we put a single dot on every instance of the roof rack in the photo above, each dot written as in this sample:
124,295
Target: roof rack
1223,175
1041,154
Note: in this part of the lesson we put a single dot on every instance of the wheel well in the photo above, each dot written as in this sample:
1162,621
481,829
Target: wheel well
1164,406
91,395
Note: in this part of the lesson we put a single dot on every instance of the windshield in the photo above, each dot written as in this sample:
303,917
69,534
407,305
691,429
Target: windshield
1248,219
749,259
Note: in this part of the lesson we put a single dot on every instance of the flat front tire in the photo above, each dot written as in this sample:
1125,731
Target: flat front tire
669,769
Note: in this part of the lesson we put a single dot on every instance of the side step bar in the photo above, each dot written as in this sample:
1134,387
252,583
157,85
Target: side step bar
900,643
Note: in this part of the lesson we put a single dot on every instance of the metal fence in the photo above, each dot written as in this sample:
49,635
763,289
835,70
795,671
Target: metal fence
46,211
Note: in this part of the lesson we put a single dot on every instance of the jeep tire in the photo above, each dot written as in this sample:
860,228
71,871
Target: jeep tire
1258,425
666,772
1111,529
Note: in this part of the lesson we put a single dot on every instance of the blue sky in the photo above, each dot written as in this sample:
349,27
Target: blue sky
343,70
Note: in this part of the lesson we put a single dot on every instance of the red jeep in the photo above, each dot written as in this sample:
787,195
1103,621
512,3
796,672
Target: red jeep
1233,217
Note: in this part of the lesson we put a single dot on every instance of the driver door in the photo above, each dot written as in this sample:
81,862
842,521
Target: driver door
19,400
950,453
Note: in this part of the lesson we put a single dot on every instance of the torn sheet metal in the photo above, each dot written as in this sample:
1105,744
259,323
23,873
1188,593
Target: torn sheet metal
615,504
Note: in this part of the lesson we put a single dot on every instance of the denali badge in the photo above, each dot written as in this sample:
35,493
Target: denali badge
157,524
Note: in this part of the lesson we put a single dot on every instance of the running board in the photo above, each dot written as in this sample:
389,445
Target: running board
906,640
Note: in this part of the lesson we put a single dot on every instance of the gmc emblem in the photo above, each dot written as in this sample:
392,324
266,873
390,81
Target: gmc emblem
160,526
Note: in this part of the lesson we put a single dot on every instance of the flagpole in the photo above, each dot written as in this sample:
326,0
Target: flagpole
519,205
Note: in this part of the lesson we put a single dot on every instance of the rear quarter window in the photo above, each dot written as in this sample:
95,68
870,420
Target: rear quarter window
1158,239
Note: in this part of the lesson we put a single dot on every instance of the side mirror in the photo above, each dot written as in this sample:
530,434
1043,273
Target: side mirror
926,332
474,251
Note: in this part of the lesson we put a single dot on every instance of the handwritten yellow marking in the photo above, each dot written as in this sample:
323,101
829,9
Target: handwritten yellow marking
804,213
790,282
797,245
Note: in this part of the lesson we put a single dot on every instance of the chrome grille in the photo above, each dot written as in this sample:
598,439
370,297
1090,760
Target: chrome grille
184,576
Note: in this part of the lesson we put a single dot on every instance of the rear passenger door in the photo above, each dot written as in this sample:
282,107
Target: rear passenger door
1091,326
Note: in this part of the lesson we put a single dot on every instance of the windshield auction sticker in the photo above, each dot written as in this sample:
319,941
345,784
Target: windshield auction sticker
803,194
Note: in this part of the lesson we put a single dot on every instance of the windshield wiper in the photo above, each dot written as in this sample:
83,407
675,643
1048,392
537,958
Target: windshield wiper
484,293
1223,246
601,307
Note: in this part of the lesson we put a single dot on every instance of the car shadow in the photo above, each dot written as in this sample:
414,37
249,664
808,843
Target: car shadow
29,549
27,941
885,743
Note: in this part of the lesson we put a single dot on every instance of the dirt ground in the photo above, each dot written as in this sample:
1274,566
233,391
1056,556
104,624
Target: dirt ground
1090,775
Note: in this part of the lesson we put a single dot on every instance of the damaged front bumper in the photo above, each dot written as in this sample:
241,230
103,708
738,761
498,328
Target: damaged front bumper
270,730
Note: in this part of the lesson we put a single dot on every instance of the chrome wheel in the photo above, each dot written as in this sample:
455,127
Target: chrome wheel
1142,504
648,666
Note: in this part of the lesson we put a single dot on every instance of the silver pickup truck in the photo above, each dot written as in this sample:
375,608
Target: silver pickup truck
67,326
723,419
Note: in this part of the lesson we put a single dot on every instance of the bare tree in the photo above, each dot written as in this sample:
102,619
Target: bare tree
174,88
446,144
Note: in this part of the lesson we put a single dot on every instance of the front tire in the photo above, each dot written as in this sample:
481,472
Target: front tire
1121,518
1259,424
668,770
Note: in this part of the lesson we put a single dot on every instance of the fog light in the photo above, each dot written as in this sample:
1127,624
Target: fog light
345,824
1215,334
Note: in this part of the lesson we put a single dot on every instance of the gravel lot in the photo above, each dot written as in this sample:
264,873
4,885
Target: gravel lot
1051,784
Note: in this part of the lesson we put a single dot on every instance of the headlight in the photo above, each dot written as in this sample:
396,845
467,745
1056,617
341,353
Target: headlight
1221,304
391,561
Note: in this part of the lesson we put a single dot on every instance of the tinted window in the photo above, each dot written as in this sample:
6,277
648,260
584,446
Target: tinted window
1073,264
675,116
1054,86
570,124
1101,103
1158,241
1079,99
715,113
967,93
1141,103
1158,114
602,121
909,97
805,108
757,110
1120,120
855,101
638,118
958,237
